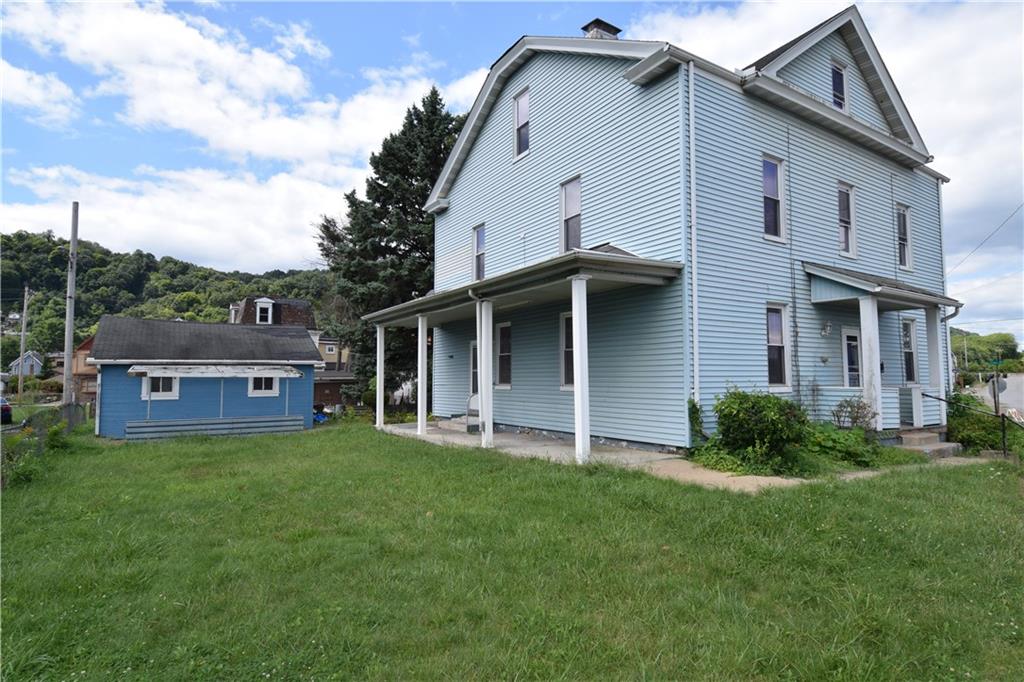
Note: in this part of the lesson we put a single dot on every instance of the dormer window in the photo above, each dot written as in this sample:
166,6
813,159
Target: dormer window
839,87
522,107
264,311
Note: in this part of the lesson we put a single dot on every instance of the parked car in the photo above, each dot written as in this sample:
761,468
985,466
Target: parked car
6,416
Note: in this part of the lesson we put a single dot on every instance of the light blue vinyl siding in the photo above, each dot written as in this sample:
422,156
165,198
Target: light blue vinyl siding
637,365
120,400
812,72
740,271
587,120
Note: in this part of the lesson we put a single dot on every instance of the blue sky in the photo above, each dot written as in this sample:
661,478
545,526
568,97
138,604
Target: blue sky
219,132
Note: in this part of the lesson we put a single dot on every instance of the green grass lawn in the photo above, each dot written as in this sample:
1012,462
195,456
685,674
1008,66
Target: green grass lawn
345,553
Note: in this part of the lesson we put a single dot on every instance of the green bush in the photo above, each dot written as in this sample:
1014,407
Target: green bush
976,431
56,438
853,413
696,420
759,427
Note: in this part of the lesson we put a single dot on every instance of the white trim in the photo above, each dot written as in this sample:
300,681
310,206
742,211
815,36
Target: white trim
331,349
253,392
786,387
99,399
516,154
160,395
836,65
852,191
562,317
871,357
262,305
913,349
563,247
380,378
421,374
319,364
692,181
845,331
580,369
905,210
497,356
780,172
485,316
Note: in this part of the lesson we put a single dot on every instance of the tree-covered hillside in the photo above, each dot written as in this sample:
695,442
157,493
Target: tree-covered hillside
137,284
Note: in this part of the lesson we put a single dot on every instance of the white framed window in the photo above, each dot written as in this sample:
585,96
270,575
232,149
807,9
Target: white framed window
264,313
571,214
264,387
159,388
474,370
847,217
771,191
479,249
565,350
521,105
776,340
850,339
503,335
331,350
908,342
903,253
839,86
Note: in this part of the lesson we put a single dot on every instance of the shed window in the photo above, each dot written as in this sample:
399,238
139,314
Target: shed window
770,179
522,107
903,236
263,387
909,342
571,210
331,350
160,388
566,349
504,354
479,247
839,87
847,236
776,346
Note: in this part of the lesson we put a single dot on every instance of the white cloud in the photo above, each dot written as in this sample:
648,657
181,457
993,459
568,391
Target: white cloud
293,39
224,220
49,101
460,93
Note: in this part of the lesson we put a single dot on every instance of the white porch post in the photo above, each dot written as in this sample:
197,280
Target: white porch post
871,357
933,324
581,368
485,370
380,376
421,374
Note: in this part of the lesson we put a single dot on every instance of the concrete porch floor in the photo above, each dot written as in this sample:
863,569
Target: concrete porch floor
660,464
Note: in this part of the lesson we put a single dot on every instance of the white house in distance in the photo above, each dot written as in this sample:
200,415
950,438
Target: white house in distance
623,226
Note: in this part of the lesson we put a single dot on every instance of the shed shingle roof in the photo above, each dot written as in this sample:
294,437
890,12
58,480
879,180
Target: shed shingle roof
126,338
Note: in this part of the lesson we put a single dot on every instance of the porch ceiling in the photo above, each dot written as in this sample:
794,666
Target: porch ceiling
840,286
534,284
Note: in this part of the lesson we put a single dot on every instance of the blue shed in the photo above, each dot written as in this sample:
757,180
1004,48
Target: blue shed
161,378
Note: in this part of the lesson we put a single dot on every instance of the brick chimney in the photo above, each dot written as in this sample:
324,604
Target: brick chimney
599,28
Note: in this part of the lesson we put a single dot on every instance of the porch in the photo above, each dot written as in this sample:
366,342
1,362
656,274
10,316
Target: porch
881,322
554,354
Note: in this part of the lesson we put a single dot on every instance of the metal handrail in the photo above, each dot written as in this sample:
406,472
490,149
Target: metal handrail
1003,419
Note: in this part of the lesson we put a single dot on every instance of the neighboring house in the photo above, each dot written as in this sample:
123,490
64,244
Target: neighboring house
30,364
263,310
622,226
82,373
56,359
161,378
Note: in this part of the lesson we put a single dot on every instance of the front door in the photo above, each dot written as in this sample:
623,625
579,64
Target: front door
851,357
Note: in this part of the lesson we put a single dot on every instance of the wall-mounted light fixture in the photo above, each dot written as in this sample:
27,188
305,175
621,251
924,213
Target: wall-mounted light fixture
826,329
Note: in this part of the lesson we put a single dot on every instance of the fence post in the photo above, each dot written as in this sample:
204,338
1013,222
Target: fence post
1002,423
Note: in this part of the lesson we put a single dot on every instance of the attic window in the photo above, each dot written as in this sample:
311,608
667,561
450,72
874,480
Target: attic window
522,106
839,87
264,313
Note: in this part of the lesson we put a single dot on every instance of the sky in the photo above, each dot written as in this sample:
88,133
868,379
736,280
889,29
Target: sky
220,132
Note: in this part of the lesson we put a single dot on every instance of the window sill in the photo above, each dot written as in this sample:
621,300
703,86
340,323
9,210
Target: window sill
567,388
502,387
906,268
780,389
521,156
852,255
776,240
160,397
262,394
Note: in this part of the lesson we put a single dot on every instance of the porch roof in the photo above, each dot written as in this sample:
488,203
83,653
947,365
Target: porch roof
540,282
852,284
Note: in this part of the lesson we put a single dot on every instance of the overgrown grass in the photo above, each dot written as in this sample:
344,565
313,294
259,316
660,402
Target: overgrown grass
349,553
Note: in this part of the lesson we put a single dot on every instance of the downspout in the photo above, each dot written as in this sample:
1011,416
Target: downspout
681,83
692,182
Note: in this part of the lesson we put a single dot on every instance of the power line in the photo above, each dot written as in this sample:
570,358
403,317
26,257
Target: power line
998,279
986,238
965,322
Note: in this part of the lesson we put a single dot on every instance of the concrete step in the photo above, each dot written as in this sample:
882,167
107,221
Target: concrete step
936,450
919,438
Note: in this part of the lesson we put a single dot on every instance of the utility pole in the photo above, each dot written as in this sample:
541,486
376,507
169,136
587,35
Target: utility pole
69,311
21,358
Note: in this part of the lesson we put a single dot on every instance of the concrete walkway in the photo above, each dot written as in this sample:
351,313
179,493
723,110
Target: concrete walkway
660,464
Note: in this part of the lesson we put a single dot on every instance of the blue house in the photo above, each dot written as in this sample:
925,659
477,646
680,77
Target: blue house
159,378
623,226
30,364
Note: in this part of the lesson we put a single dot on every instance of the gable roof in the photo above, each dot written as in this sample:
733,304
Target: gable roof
124,339
850,25
29,355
